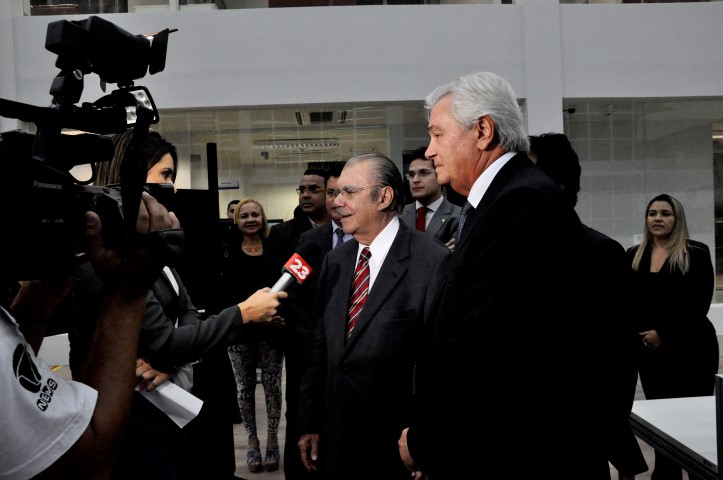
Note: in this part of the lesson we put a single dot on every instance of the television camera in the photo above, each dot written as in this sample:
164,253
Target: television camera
43,204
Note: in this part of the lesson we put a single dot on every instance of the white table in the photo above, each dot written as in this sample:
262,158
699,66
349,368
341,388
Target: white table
683,429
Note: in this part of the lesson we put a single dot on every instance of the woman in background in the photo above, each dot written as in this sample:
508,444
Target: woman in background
247,270
673,280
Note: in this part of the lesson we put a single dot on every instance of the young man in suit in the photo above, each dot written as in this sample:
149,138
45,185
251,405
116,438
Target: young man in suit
357,386
310,213
439,217
528,356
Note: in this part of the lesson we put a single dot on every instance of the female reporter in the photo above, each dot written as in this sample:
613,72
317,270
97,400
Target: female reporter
173,335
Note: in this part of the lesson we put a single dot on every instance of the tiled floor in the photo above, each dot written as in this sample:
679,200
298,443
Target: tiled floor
240,438
241,443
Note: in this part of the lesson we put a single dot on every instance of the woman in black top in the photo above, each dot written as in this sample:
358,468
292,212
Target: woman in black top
674,281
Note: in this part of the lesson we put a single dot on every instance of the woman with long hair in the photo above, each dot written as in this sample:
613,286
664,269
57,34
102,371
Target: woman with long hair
673,282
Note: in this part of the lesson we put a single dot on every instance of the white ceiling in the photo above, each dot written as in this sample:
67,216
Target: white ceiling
295,135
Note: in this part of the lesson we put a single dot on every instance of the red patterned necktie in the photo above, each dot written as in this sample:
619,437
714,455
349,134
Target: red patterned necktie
421,218
360,290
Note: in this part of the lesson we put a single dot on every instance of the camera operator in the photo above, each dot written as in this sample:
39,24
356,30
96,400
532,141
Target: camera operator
173,335
53,428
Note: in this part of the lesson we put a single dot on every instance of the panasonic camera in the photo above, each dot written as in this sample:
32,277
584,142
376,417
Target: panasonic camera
43,205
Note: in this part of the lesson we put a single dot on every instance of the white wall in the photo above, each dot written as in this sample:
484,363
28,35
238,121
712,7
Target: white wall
257,57
549,52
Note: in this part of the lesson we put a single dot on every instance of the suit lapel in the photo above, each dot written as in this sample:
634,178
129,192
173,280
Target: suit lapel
339,292
503,177
386,282
439,218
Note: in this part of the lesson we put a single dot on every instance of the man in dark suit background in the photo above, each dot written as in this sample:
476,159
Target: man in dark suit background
281,243
300,301
357,385
506,320
326,236
310,213
439,215
606,287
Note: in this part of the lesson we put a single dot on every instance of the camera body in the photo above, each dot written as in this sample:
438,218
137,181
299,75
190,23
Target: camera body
42,205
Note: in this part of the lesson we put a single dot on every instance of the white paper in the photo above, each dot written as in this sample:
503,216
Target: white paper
178,404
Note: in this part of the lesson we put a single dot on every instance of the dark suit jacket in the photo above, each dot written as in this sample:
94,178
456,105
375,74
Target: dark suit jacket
153,445
280,245
608,297
297,308
321,236
507,324
357,394
164,345
443,223
284,237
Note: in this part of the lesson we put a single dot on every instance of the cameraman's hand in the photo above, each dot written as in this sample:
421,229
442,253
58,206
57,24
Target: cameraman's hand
152,216
139,267
261,306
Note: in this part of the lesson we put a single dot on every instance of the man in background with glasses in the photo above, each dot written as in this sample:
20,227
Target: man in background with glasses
310,213
298,310
431,212
282,242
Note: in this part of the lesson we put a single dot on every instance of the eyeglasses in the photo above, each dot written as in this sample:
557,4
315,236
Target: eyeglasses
422,172
348,192
331,192
311,188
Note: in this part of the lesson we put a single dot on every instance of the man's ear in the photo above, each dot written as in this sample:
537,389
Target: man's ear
485,129
386,196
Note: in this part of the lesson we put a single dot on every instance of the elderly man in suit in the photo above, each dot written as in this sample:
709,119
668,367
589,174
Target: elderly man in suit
430,212
527,353
372,301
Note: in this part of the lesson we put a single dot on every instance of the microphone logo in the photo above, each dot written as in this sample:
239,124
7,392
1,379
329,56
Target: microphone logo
297,267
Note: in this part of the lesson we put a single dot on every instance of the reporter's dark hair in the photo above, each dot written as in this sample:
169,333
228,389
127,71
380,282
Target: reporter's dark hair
154,148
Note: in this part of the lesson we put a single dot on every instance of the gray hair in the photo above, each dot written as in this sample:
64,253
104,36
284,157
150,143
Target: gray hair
386,174
485,93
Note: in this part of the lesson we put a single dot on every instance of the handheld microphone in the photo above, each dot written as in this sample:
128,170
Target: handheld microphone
296,268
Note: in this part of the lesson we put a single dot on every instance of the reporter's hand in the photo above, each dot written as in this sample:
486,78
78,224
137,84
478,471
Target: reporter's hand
261,306
148,377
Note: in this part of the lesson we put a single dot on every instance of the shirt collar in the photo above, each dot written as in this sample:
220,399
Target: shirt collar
432,207
483,182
